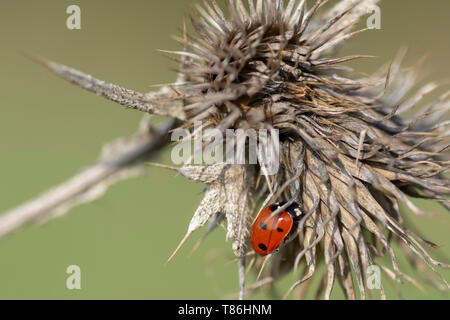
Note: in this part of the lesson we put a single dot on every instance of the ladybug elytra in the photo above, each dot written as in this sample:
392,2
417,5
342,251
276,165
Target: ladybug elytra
268,233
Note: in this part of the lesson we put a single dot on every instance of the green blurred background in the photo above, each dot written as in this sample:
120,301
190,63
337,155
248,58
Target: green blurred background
50,129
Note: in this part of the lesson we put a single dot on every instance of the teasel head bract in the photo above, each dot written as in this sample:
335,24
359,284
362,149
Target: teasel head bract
347,155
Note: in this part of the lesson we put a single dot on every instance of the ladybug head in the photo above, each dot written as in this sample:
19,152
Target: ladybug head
293,209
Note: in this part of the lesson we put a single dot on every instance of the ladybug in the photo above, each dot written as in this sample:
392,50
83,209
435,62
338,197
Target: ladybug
268,233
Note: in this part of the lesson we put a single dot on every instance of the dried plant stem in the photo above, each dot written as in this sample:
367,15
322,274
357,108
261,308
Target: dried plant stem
91,182
241,265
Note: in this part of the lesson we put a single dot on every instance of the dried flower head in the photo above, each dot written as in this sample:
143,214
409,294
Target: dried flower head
347,157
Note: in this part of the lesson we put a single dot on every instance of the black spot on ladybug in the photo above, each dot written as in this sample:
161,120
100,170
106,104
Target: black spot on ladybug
262,246
279,230
263,226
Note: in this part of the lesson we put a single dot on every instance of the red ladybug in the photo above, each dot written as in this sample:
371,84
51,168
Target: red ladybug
267,234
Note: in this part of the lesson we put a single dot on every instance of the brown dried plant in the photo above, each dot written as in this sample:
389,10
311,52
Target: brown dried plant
347,156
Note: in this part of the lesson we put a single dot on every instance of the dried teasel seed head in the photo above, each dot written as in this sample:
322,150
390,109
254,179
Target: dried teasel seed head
347,155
